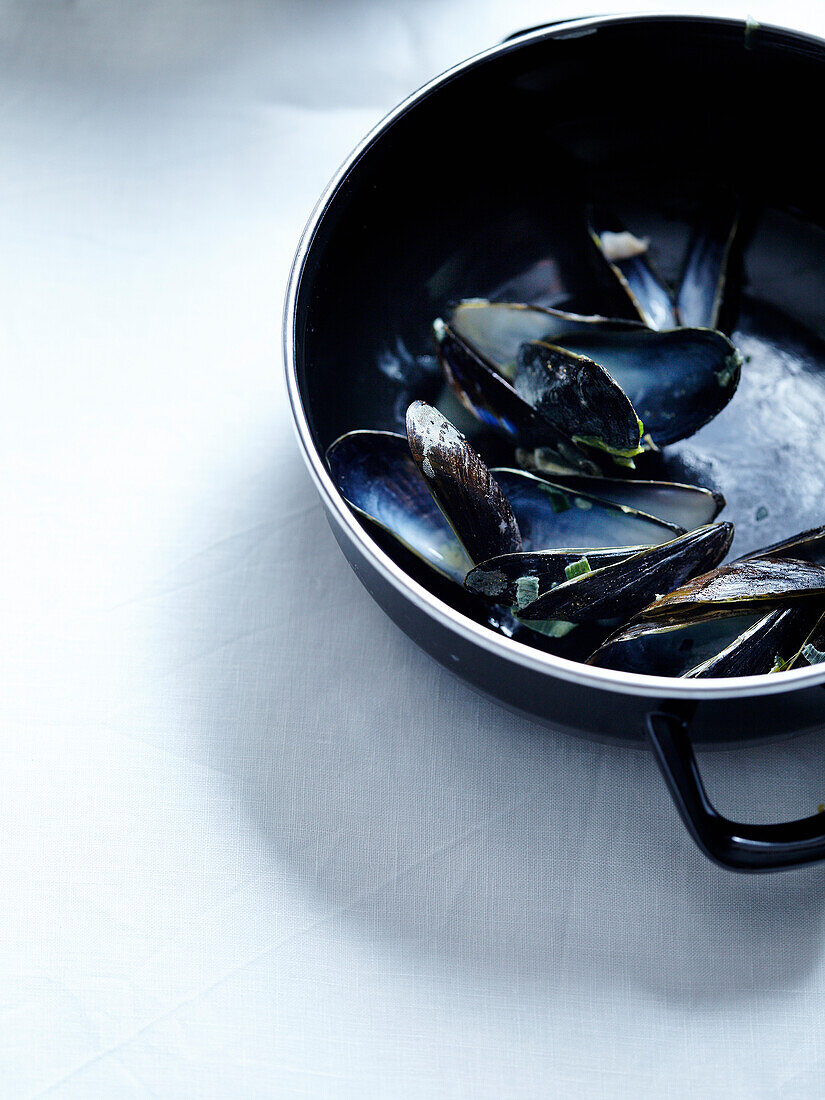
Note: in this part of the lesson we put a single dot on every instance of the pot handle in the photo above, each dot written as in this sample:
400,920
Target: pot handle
733,845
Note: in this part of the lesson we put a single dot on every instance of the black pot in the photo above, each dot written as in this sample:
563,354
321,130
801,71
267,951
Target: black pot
458,189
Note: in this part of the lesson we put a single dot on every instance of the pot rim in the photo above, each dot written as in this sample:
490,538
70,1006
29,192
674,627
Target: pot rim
624,683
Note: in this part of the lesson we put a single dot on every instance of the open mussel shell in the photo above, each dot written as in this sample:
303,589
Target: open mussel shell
676,380
377,476
517,579
698,645
618,591
493,400
488,394
702,289
770,646
491,397
687,506
496,330
553,517
578,398
810,649
470,498
806,546
755,584
627,257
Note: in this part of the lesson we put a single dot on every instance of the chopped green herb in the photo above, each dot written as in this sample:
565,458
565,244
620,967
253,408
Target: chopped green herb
552,628
527,590
577,569
780,665
600,445
813,655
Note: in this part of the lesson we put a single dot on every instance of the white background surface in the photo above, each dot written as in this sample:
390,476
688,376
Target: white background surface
252,842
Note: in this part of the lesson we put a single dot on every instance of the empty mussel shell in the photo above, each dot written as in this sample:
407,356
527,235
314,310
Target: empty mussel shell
810,649
468,495
377,476
617,591
553,517
517,579
687,506
676,380
701,644
754,584
496,330
491,397
805,546
702,289
772,645
578,398
627,257
488,394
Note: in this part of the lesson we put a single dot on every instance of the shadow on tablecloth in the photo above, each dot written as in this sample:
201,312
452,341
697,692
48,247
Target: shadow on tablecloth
423,817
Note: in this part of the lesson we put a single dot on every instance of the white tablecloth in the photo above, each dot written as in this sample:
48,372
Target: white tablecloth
254,843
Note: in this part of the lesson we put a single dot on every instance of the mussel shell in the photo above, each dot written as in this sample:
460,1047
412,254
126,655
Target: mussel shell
679,645
470,498
772,642
574,646
577,397
644,286
496,330
552,517
541,283
811,649
488,394
805,546
377,476
702,289
687,506
676,380
492,399
618,591
506,578
751,584
568,272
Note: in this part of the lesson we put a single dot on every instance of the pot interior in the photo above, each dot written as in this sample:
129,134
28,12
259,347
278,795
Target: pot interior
486,176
